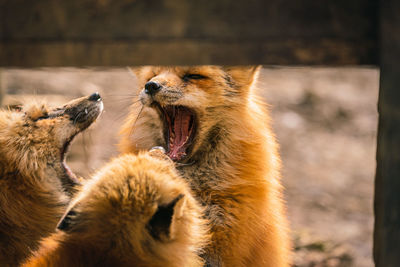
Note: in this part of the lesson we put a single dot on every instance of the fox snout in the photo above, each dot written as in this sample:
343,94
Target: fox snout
151,88
95,97
83,110
154,92
147,95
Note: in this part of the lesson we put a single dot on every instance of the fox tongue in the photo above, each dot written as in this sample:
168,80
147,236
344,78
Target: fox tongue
181,130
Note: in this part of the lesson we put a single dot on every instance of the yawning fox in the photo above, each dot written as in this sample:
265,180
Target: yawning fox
35,182
217,131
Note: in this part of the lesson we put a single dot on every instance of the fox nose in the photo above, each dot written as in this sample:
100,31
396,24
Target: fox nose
95,97
151,88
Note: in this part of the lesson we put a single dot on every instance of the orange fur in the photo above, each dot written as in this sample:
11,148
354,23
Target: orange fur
233,164
116,219
34,186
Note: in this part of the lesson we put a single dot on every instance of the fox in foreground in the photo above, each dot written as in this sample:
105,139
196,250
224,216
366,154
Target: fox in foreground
136,211
35,182
217,131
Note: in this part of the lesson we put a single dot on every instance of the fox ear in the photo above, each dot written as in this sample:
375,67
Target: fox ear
243,76
67,221
159,225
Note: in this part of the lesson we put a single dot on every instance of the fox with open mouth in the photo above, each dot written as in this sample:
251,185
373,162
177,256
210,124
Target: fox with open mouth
35,182
212,124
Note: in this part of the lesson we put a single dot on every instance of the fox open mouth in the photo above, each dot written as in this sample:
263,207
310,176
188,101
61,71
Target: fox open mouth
81,118
179,130
71,177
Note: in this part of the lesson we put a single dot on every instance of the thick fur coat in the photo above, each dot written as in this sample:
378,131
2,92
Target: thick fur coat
35,182
136,211
231,161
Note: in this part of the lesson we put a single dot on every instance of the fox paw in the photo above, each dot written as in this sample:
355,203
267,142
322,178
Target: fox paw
159,152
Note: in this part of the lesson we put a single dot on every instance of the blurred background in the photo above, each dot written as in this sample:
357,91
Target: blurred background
325,120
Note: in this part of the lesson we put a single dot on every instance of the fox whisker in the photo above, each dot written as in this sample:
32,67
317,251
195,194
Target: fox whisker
134,124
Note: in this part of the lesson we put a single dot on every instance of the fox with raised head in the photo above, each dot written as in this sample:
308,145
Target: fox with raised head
35,182
216,129
136,211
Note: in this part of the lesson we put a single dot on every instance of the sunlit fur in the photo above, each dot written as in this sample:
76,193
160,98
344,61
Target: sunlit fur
111,217
234,166
34,188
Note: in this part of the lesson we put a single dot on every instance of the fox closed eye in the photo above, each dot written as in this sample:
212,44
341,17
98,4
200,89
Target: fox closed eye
189,76
43,117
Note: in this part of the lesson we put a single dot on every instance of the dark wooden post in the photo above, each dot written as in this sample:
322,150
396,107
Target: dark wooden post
387,183
1,91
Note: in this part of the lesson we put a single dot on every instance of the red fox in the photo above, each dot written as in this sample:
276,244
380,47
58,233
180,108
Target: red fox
217,131
35,182
136,211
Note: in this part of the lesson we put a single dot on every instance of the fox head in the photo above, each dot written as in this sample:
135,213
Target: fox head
136,211
193,102
34,139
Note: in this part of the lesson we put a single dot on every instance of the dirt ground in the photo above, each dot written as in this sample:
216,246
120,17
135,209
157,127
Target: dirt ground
325,120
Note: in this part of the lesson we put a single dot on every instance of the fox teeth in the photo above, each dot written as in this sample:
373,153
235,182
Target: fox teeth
86,112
